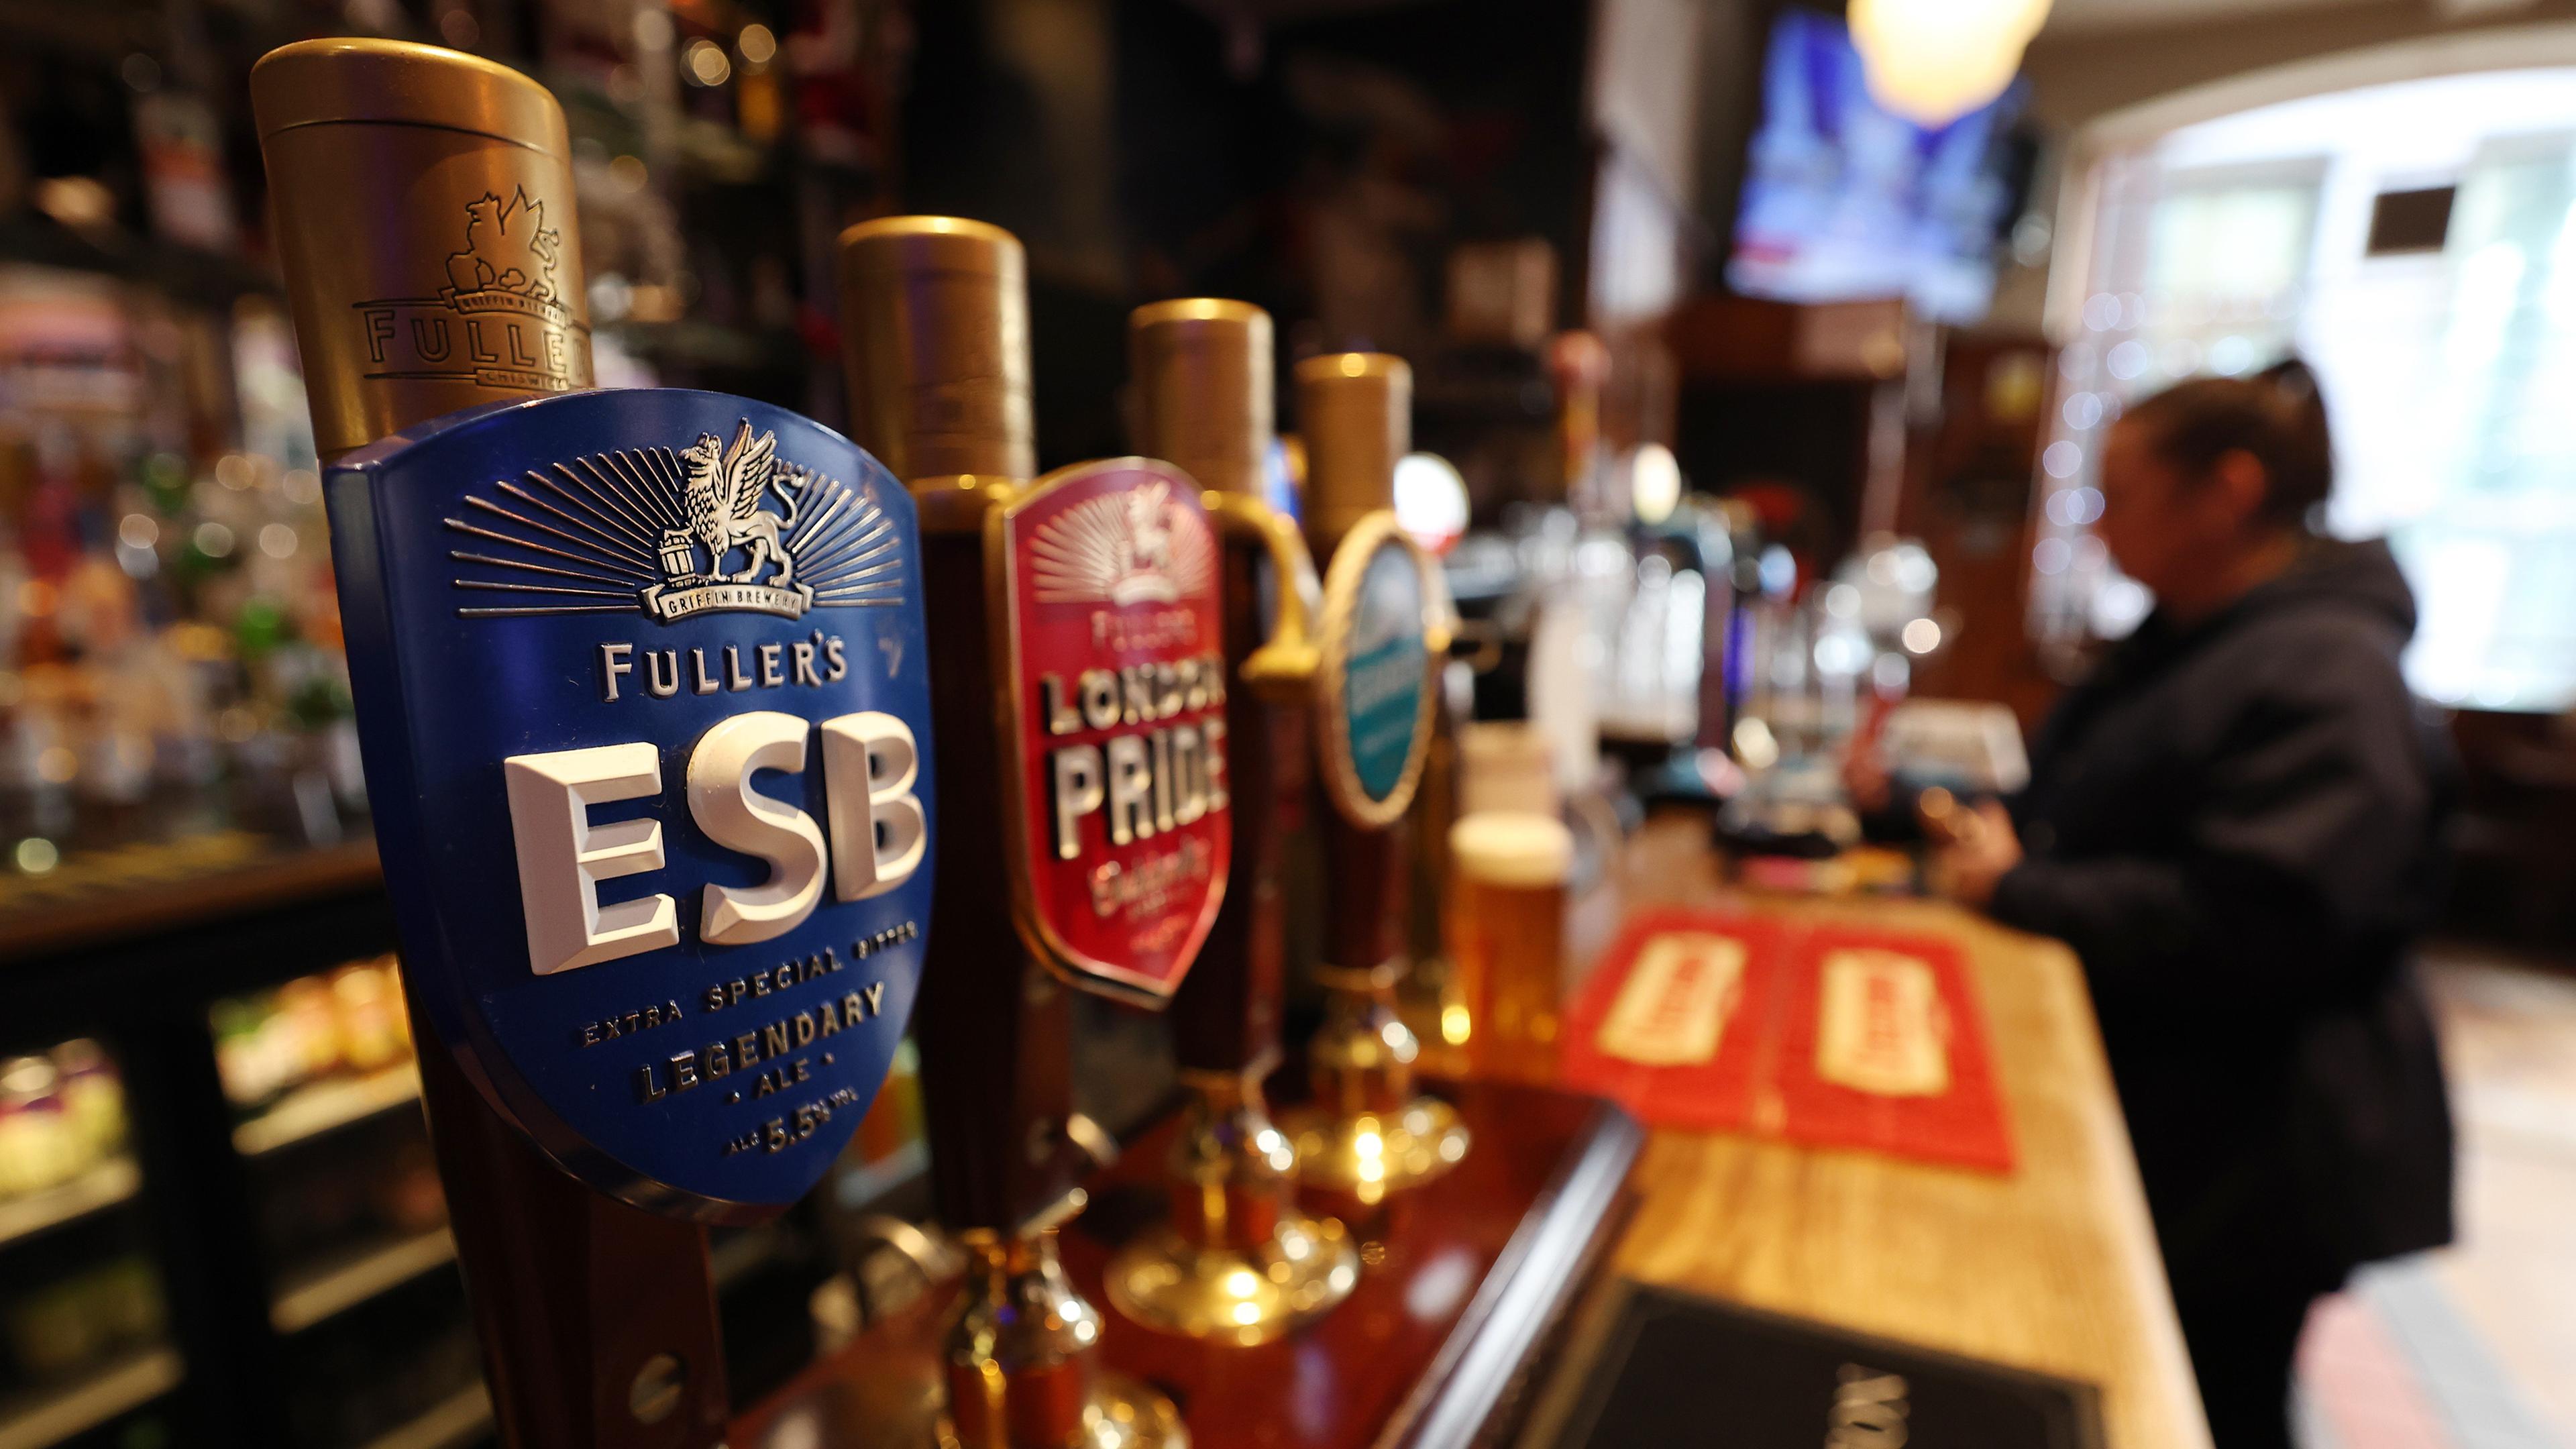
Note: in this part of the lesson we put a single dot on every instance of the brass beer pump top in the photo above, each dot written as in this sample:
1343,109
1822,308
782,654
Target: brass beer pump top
935,322
1356,412
322,82
425,224
1202,373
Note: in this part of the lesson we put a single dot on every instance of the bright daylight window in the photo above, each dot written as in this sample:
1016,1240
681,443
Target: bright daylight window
2417,244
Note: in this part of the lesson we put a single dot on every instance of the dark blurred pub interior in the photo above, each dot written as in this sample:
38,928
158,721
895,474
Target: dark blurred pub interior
1740,404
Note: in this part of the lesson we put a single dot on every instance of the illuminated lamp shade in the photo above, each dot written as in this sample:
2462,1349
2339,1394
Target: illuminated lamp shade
1933,61
1430,500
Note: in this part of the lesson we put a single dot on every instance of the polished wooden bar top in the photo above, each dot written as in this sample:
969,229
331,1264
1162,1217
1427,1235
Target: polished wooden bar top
2052,1267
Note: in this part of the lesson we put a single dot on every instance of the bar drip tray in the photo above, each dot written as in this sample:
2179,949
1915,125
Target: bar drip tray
1650,1368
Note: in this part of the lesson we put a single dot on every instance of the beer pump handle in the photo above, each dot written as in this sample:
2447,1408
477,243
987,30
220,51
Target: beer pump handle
1367,840
1385,625
1236,1262
1202,369
398,173
935,328
935,314
1356,410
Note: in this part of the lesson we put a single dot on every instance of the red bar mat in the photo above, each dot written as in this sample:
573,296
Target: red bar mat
1896,1062
1883,1047
1699,1016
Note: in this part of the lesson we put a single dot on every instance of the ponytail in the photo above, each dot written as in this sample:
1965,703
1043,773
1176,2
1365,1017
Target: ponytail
2278,415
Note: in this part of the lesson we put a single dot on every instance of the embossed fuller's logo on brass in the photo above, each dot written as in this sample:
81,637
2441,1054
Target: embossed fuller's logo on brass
677,532
500,320
1116,679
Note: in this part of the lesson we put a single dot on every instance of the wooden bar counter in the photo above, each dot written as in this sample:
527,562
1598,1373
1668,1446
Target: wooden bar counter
2051,1268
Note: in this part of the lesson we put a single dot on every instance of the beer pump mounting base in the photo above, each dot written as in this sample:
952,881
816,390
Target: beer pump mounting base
1020,1368
1237,1263
1230,1295
1368,1133
1371,1155
1121,1413
1116,1412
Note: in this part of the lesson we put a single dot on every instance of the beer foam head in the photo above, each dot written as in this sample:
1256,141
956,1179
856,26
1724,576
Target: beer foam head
1513,848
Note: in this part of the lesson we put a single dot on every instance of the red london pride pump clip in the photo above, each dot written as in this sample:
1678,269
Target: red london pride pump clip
1114,683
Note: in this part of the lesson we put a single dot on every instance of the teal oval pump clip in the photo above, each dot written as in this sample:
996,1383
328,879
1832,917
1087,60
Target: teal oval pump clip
641,687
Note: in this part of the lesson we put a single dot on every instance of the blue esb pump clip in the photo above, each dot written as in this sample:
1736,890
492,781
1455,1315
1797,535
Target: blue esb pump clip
640,681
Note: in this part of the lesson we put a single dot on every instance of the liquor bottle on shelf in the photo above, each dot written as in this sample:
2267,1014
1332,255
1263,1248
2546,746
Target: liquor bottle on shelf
1237,1261
1080,701
62,1114
1383,634
82,1316
345,1026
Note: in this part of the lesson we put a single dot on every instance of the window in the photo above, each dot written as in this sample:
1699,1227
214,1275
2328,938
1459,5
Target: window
2447,361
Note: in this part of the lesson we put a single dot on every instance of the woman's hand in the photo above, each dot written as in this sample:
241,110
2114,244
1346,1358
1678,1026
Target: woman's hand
1865,775
1980,849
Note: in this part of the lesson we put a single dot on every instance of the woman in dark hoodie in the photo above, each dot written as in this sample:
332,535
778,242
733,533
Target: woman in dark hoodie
2233,822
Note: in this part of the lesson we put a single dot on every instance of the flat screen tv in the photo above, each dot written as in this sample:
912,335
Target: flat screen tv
1845,201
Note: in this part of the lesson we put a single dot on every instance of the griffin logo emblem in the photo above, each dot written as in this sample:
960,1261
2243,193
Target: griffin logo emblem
724,491
677,532
503,242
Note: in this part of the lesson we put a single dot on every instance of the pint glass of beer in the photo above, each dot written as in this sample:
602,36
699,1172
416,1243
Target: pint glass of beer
1506,920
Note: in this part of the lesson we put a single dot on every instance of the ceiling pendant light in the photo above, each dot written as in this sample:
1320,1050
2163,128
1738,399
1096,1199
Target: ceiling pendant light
1933,61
